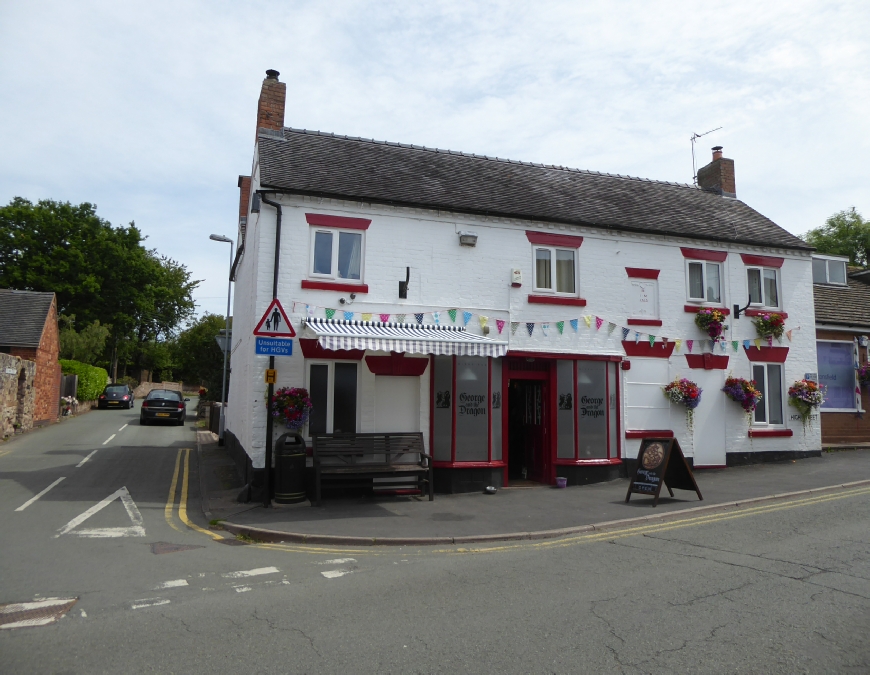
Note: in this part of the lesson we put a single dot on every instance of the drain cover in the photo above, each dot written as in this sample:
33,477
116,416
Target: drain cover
159,547
37,613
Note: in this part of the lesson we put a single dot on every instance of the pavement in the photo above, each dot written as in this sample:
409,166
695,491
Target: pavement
512,513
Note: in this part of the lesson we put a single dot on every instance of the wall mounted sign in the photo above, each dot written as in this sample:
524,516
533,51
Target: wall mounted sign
274,347
660,461
275,322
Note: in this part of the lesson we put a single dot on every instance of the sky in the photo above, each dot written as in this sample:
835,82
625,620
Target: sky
148,110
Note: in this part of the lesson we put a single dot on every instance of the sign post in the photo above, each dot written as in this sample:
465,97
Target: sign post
660,461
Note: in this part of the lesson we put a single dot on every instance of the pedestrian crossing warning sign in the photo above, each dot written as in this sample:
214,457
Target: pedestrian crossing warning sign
275,322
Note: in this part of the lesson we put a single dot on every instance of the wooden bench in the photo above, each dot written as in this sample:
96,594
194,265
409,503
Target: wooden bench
355,460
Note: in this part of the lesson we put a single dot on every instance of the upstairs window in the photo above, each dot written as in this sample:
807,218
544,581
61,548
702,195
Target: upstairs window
556,270
763,286
829,271
336,254
704,281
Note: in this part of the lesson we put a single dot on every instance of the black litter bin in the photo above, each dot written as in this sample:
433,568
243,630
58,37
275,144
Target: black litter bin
290,469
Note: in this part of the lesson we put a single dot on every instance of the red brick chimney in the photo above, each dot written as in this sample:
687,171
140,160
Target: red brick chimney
718,175
270,107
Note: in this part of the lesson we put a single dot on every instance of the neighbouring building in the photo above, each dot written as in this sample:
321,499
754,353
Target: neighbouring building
842,299
524,317
28,330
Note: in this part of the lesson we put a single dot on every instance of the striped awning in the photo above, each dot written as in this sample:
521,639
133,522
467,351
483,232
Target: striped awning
403,337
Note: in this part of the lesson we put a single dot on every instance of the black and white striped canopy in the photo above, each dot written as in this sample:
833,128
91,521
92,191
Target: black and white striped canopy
403,337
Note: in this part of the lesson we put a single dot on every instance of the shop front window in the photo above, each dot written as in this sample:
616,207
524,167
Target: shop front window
472,419
442,416
592,407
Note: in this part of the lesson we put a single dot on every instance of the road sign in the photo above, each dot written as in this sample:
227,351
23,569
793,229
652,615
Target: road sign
275,323
271,375
274,347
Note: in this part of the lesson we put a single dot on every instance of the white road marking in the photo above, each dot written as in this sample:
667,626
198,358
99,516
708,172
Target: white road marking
35,497
30,622
175,583
242,589
39,604
87,458
137,529
250,573
109,439
123,427
149,602
337,561
334,574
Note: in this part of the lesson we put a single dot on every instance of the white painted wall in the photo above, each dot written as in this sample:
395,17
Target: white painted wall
446,275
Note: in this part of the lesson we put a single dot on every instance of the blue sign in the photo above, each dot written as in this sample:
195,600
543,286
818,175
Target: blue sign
274,346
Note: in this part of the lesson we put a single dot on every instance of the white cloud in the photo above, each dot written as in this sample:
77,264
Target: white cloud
148,109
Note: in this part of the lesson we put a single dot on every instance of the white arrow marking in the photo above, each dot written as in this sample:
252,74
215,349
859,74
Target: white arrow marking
35,497
136,530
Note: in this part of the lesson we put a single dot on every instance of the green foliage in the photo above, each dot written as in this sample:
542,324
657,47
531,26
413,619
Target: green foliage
845,233
132,382
92,380
87,345
100,273
197,357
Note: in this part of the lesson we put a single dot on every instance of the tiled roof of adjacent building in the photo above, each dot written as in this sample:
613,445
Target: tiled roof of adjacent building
22,317
844,306
320,164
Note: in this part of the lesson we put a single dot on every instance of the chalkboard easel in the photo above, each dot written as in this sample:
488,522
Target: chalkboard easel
660,461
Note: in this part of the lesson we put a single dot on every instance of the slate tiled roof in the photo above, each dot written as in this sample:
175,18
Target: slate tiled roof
22,317
315,163
849,306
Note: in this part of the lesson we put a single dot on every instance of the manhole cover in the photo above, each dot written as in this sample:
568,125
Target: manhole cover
160,547
37,613
231,542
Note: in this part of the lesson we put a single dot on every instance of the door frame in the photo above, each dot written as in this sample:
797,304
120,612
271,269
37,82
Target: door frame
547,379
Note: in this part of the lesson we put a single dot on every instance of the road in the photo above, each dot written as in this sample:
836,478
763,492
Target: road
781,587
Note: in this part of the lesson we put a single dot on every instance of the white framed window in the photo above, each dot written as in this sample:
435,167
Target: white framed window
337,254
333,388
763,286
704,281
555,270
836,362
829,270
769,381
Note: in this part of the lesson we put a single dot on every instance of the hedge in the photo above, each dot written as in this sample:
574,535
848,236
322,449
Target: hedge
92,380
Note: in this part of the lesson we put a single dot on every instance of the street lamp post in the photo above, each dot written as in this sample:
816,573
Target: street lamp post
226,240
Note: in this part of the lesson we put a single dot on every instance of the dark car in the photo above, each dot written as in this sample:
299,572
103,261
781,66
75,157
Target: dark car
116,396
163,405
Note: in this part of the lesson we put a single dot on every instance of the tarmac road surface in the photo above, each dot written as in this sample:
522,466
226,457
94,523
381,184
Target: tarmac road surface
780,587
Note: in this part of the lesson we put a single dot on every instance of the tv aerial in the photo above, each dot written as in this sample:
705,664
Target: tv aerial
694,138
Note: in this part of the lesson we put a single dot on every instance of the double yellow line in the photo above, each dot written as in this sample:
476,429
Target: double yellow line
169,510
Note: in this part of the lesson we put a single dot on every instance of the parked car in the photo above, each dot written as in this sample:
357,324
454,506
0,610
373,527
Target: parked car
116,396
163,405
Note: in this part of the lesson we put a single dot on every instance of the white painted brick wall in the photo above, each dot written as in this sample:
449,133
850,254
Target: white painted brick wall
446,275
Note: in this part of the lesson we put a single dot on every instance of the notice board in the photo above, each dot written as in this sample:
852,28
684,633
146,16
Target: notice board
660,461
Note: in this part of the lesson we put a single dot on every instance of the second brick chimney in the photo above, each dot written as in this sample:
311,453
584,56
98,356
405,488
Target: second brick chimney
718,175
270,107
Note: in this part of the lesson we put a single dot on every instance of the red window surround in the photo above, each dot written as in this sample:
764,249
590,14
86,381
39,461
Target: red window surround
556,300
661,350
322,220
548,239
643,322
694,309
641,273
703,254
759,312
707,361
311,349
334,286
761,260
767,354
396,365
770,433
649,433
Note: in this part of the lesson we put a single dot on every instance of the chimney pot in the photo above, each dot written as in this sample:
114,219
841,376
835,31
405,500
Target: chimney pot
717,152
272,74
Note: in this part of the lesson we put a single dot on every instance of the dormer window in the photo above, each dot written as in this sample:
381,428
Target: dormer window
829,271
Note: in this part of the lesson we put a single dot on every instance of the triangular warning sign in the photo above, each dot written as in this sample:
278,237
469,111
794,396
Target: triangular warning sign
275,322
136,530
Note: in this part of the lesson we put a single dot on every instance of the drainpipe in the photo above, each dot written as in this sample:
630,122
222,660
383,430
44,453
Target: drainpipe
267,493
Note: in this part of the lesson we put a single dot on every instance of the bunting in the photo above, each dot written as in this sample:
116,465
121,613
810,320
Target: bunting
466,317
437,317
560,326
588,320
384,317
514,326
452,313
625,332
400,318
611,327
366,317
530,326
418,318
500,325
636,337
330,313
758,343
788,335
734,344
544,328
483,321
689,344
598,322
348,316
652,340
678,343
574,323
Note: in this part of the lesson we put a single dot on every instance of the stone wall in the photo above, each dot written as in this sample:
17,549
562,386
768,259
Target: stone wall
146,387
17,394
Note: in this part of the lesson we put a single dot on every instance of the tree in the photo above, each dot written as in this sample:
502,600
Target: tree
197,356
98,272
845,233
86,345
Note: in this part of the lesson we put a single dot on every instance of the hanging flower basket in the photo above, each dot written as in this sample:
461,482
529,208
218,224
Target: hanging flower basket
292,405
806,396
743,392
711,321
769,325
687,393
864,375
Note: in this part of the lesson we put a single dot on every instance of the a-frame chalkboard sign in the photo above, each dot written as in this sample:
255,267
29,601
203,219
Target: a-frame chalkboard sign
661,461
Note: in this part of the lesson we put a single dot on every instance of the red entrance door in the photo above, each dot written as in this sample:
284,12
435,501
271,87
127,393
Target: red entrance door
529,437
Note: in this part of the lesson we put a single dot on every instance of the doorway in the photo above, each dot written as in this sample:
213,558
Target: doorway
528,450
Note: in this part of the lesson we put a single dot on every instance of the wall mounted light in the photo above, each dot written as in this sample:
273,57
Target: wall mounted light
468,239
